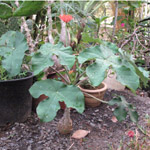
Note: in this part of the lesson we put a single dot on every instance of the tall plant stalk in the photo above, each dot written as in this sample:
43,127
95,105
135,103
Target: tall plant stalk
115,20
50,22
27,30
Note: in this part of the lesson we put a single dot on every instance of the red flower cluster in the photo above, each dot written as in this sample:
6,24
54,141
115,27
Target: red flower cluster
130,133
66,18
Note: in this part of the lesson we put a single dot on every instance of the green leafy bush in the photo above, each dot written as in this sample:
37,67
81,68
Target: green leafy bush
13,46
102,57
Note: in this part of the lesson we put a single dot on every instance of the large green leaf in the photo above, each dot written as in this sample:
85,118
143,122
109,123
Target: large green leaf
133,115
128,58
120,113
123,108
104,57
40,61
111,46
12,47
127,77
56,91
42,58
108,56
97,72
28,8
5,11
89,53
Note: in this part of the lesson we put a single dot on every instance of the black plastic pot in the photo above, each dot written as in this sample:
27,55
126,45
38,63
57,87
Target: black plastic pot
15,100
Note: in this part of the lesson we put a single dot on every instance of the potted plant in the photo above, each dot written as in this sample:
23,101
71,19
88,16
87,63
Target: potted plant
91,93
15,79
91,64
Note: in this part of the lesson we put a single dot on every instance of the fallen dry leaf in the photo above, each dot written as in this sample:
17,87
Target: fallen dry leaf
114,119
79,134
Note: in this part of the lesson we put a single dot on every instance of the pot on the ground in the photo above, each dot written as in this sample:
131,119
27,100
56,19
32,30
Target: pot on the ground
98,93
15,100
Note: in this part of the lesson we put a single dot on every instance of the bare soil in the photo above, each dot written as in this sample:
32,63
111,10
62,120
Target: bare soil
105,134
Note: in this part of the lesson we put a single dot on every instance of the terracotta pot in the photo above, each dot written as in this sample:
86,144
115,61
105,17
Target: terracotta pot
99,93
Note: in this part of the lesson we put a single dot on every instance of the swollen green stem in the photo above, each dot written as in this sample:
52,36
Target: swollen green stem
66,36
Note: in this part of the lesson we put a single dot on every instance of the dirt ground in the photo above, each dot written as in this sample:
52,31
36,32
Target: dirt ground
105,134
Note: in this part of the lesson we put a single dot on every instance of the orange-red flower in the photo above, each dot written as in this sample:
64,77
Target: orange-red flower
131,133
66,18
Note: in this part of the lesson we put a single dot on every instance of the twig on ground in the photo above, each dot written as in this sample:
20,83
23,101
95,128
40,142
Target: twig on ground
70,146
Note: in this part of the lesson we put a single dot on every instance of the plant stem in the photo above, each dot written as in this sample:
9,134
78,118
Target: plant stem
115,21
67,74
141,129
60,75
66,36
76,81
81,81
50,22
96,98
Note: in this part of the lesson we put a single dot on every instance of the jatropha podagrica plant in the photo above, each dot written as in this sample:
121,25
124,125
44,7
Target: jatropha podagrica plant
104,56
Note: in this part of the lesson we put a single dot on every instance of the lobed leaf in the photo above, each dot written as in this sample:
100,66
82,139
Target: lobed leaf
104,57
127,77
120,113
56,91
122,107
12,47
45,53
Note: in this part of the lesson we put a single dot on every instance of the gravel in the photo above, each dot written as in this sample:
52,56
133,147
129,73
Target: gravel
34,135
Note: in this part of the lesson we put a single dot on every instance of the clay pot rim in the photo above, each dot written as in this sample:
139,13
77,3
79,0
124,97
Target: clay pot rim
94,91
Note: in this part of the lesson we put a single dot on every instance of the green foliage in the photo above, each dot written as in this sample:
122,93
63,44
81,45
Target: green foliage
12,50
105,57
45,53
102,57
123,108
98,21
28,8
128,7
9,24
56,91
88,39
127,59
5,11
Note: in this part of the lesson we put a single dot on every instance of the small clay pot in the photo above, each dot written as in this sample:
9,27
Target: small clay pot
98,92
